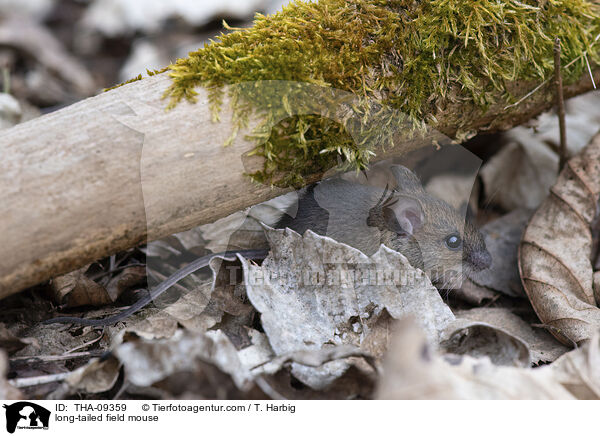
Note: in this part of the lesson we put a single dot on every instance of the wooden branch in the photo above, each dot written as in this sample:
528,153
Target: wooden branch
70,181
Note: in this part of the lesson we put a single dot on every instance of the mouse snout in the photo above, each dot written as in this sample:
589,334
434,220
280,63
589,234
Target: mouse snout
480,259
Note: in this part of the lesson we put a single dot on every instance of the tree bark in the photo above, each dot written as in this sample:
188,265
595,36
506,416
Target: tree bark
116,170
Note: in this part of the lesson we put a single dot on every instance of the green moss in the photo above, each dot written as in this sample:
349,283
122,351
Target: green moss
137,78
398,53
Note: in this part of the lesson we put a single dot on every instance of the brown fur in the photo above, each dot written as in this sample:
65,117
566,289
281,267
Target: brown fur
355,214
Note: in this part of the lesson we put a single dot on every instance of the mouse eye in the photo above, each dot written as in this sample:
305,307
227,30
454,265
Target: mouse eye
453,242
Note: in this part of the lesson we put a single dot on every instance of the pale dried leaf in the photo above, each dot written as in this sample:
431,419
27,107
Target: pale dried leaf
241,230
543,347
525,169
413,370
473,293
195,303
299,315
316,358
519,175
98,375
153,324
579,370
479,339
149,361
118,17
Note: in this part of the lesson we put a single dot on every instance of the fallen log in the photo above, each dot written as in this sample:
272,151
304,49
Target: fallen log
114,170
118,169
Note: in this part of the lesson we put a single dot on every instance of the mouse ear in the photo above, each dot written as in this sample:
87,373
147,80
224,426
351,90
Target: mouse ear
406,179
404,216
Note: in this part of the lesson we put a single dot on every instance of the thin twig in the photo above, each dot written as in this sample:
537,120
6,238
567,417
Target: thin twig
40,380
37,359
560,102
87,344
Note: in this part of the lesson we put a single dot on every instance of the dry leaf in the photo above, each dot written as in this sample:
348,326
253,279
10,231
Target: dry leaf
115,18
198,309
502,237
543,347
555,253
7,391
324,292
98,375
473,293
76,289
127,279
521,174
479,338
243,230
11,343
149,361
413,370
344,308
579,370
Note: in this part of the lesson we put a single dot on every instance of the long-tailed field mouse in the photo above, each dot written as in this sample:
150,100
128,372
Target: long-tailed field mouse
430,233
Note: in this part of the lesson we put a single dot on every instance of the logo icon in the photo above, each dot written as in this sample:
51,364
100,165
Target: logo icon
26,415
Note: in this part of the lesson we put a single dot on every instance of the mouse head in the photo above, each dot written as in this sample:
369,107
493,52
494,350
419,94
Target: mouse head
428,231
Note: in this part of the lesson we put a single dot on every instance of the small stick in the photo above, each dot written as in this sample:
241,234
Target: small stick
561,105
39,380
87,344
37,359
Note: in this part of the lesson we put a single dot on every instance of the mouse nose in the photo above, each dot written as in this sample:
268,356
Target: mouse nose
480,259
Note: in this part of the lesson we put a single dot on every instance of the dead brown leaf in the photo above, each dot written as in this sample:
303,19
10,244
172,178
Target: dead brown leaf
555,254
126,280
76,289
